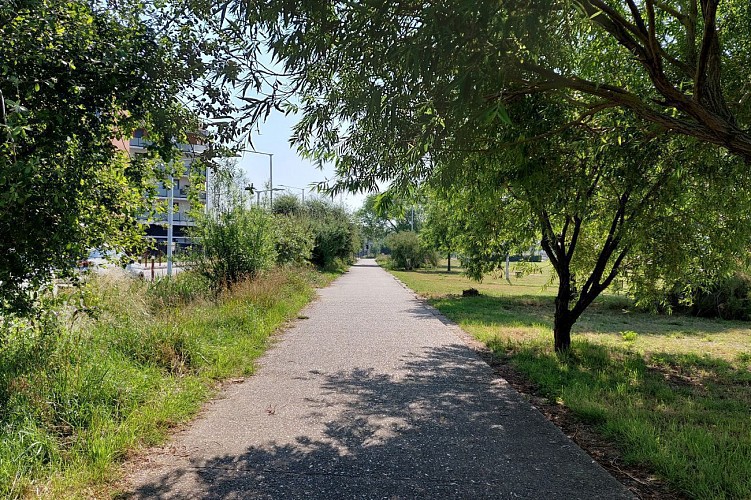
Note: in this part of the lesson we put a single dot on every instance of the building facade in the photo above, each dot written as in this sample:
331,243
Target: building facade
181,220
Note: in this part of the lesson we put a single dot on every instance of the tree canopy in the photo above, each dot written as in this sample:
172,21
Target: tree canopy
75,77
680,65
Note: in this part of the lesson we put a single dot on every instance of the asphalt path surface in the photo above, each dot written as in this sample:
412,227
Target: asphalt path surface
374,395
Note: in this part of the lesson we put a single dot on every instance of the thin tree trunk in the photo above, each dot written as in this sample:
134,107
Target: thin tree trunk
564,319
448,267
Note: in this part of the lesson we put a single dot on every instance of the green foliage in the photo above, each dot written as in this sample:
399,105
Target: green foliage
226,188
287,204
293,240
664,62
234,245
336,238
727,298
441,226
385,213
74,77
407,252
629,335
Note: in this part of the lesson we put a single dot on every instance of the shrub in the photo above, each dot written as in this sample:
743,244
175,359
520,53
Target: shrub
333,240
729,299
336,238
293,240
287,204
235,245
629,335
407,252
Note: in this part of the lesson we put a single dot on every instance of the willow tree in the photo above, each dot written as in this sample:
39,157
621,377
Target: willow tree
680,65
604,201
402,92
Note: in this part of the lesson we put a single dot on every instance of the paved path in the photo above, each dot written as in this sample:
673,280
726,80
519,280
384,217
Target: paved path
373,396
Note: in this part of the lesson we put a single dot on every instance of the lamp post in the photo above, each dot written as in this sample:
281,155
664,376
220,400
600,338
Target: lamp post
271,172
250,189
302,190
271,194
170,222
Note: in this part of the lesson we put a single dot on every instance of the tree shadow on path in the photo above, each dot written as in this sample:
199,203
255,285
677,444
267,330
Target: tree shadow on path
441,428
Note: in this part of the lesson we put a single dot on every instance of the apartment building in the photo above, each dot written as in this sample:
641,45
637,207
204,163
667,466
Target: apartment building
157,223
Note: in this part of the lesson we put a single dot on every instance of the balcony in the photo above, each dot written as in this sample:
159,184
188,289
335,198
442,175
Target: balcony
178,194
178,218
195,149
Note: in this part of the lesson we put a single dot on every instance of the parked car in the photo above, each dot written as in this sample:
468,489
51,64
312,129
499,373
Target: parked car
98,260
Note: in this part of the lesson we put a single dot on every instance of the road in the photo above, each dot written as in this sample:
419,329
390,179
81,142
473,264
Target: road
373,395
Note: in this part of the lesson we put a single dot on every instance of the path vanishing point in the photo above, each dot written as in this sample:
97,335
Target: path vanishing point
372,396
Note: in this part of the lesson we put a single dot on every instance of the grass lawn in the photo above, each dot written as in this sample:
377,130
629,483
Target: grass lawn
672,393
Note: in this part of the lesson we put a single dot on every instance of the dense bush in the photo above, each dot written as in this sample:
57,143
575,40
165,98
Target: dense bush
336,237
407,252
235,245
287,204
729,299
293,240
334,240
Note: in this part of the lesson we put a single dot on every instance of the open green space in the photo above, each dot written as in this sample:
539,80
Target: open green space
80,392
672,392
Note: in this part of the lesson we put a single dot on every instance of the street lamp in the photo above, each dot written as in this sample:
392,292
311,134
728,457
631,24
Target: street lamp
271,195
250,189
271,172
302,190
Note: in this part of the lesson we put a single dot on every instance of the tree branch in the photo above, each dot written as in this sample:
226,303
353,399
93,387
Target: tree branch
709,13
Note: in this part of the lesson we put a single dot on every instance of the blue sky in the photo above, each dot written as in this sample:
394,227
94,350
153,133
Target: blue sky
289,168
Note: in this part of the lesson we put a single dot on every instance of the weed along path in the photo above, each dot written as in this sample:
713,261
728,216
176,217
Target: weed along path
371,396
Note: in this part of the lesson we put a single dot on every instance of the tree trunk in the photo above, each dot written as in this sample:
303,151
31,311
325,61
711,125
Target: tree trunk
563,320
562,333
448,267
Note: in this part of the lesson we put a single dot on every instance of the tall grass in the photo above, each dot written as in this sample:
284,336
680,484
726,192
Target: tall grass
78,392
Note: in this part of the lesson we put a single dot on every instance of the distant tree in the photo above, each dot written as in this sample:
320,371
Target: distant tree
383,214
440,228
226,187
287,204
